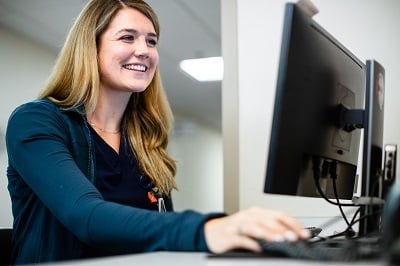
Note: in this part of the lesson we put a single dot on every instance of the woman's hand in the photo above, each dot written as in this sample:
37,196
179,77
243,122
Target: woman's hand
242,229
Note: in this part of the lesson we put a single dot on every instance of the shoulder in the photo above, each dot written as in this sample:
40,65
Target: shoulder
34,108
44,110
37,117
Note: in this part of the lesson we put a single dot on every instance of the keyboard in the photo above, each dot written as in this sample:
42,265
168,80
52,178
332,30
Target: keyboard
326,250
342,250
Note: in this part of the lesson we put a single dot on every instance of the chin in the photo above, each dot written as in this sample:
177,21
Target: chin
138,88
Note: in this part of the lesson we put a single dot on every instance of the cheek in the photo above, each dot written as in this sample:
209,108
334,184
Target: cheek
103,62
109,63
155,59
105,68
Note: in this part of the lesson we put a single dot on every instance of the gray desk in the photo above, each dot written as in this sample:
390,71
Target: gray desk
201,259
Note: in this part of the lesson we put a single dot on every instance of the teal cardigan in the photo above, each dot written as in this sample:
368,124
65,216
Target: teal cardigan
57,210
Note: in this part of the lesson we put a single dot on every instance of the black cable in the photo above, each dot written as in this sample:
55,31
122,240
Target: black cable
338,202
327,199
332,170
348,232
367,215
344,232
352,223
354,216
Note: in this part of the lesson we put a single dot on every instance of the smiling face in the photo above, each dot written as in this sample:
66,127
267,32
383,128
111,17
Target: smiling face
128,55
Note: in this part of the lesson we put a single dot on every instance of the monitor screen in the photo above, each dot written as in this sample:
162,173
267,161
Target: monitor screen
319,81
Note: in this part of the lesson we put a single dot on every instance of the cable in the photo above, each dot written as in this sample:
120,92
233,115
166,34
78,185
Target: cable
344,232
321,169
338,202
331,168
333,173
367,215
352,223
316,172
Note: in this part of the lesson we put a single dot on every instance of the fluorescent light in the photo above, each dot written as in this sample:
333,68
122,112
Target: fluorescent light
204,69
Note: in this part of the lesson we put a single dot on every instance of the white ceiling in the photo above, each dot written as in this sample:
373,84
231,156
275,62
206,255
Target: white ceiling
189,29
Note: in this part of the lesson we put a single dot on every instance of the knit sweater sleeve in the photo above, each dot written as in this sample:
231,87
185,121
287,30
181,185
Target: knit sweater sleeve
38,149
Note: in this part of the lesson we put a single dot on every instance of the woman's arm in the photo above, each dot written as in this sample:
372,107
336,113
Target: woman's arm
38,148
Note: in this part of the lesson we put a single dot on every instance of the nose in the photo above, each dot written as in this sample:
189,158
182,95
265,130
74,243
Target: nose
141,48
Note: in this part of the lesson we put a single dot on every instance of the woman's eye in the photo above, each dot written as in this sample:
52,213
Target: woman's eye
127,38
152,43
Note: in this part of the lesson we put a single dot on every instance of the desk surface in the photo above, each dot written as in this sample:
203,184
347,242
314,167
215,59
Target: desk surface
202,259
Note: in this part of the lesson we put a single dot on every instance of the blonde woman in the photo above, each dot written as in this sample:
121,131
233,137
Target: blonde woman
88,168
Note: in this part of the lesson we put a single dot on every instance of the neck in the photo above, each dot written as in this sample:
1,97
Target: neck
104,130
109,110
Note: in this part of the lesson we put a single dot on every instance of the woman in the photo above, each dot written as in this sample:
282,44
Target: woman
87,160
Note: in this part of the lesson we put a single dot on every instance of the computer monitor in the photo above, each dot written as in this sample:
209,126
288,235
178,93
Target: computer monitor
373,130
318,109
324,97
372,185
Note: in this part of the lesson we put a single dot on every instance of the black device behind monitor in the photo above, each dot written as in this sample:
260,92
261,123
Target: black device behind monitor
372,182
319,81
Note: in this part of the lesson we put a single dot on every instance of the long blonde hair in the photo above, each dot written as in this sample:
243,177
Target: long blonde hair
75,80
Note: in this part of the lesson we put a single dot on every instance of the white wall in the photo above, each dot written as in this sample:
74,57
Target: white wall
198,152
367,27
24,67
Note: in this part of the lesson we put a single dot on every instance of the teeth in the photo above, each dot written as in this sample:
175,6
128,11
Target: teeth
136,67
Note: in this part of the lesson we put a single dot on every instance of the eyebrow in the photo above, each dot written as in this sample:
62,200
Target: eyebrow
133,31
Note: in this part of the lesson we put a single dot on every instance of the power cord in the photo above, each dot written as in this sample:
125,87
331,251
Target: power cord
330,167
